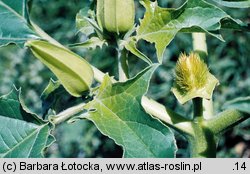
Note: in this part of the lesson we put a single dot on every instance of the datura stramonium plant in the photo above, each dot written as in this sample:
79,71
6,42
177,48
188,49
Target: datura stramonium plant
116,16
193,79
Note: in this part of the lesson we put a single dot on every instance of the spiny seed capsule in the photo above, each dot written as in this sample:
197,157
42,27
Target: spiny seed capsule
116,16
191,73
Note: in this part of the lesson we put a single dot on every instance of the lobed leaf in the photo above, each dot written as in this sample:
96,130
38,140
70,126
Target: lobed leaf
22,133
242,104
130,45
234,3
82,24
14,25
117,113
91,43
160,25
86,23
51,96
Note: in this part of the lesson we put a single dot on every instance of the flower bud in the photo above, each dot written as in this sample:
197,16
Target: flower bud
73,72
116,16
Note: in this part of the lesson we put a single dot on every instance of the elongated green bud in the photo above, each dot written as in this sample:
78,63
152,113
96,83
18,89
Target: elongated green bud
193,79
116,16
74,73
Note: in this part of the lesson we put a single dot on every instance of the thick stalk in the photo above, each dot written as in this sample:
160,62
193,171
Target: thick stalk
226,120
67,114
200,46
199,42
202,143
44,35
209,127
167,116
122,65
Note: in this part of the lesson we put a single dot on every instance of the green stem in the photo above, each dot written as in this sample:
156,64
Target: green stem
202,142
67,114
208,109
122,65
44,35
226,120
200,46
199,42
167,116
207,130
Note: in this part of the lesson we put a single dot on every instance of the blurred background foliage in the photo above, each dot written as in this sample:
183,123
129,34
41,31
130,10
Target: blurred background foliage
229,61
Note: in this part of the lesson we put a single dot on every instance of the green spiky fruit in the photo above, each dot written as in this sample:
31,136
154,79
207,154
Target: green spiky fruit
193,79
191,72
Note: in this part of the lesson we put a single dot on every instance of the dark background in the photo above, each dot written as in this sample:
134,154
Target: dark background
229,61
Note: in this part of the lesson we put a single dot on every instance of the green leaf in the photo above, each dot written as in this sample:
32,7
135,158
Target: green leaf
234,3
14,99
52,87
50,96
22,133
242,104
130,45
55,99
19,7
117,113
160,25
82,24
14,26
73,72
86,23
92,43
